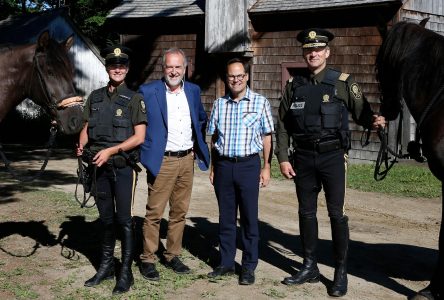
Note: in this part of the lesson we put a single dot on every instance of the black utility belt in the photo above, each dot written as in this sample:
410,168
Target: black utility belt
237,158
180,153
118,161
320,146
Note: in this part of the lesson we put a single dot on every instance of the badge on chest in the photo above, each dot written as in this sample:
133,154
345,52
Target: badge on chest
297,105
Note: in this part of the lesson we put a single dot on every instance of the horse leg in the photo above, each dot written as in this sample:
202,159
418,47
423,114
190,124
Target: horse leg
437,282
435,290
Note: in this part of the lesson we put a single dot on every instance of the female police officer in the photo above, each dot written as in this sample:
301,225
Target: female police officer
115,124
313,113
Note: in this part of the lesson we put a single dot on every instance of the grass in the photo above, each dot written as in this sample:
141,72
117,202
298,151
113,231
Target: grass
402,180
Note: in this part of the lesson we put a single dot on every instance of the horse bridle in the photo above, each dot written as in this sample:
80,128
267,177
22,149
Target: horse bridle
60,103
385,149
54,107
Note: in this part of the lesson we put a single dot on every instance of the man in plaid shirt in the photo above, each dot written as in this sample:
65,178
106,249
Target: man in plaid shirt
241,126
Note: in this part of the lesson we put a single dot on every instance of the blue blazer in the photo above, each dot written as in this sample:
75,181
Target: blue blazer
153,149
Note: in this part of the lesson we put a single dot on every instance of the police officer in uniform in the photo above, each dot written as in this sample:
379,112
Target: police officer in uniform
313,115
115,125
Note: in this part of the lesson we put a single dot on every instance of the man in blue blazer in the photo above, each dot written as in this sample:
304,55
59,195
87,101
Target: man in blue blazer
175,136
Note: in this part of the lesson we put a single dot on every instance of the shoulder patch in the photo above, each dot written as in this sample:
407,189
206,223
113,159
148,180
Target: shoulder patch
356,91
142,106
343,76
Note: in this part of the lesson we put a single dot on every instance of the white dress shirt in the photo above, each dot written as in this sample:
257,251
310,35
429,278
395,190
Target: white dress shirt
180,133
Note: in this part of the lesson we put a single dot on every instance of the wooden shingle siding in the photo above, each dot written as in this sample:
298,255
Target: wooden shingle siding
287,5
155,8
226,26
435,7
273,50
435,23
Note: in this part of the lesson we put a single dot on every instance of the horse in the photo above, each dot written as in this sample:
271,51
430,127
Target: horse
43,73
410,68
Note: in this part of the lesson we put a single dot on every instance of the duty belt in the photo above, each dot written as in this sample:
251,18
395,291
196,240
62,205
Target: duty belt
180,153
320,146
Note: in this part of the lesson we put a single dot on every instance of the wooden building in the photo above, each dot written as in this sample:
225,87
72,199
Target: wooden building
263,31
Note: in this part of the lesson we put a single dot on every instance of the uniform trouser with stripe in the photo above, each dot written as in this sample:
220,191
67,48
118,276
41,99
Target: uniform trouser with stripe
236,185
115,194
320,170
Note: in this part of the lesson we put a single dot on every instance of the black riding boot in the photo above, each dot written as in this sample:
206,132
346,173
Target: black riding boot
340,236
125,277
106,269
309,238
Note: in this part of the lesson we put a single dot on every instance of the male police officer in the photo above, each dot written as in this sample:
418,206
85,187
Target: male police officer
313,113
115,124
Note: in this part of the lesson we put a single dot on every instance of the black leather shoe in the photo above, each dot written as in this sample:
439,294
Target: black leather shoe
221,271
246,277
178,266
310,275
148,271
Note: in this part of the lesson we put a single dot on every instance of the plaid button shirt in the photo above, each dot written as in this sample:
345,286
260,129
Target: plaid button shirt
240,125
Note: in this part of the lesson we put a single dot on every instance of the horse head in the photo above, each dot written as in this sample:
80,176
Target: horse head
408,68
51,84
388,78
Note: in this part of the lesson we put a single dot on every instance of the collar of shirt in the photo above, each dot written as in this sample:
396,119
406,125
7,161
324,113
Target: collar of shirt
116,89
168,90
318,77
247,96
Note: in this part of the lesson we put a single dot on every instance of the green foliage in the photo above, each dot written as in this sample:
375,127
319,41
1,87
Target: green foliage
89,15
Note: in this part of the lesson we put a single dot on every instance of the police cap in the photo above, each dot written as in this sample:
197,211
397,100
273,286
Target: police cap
314,37
116,54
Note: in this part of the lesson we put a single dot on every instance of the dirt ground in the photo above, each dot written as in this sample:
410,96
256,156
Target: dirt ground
393,244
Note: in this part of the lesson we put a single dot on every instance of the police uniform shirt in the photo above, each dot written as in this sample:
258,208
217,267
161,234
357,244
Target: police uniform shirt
136,105
347,89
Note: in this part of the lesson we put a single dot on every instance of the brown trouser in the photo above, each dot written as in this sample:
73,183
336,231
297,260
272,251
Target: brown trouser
173,184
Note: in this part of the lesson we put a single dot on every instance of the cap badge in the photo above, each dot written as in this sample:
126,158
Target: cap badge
119,112
312,34
325,98
117,52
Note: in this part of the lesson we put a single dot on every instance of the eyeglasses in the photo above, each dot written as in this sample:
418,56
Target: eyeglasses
239,77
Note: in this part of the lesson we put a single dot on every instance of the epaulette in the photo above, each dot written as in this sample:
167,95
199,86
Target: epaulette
343,76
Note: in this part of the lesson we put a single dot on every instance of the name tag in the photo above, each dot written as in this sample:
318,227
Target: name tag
297,105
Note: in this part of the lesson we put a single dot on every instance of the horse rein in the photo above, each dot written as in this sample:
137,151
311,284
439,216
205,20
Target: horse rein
385,149
15,174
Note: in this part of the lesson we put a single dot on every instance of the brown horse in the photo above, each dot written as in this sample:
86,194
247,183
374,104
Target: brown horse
43,73
410,67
